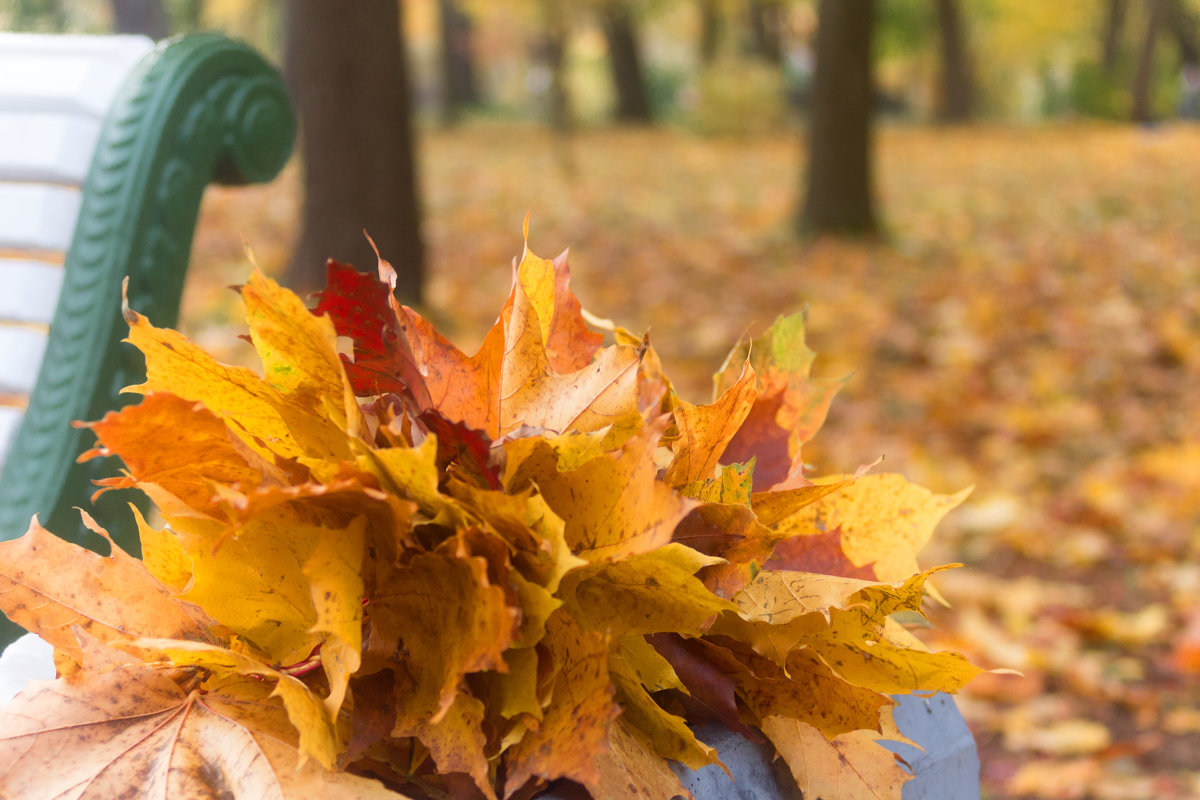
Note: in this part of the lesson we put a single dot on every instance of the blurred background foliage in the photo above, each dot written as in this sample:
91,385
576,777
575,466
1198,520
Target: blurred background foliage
1035,60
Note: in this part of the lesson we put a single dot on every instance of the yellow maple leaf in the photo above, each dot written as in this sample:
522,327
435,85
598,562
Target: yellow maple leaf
884,519
645,593
266,420
613,506
334,576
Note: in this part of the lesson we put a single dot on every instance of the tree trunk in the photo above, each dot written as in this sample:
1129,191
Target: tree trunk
1183,28
39,15
551,52
840,194
710,31
345,65
625,61
193,14
1114,24
140,16
766,32
957,85
1143,78
188,16
459,89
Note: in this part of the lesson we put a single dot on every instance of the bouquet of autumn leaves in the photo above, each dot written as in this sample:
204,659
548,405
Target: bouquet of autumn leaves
407,572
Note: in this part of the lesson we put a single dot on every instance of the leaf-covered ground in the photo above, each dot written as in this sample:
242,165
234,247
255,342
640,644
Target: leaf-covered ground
1032,327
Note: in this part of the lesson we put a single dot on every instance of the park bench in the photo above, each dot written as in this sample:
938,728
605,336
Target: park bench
106,146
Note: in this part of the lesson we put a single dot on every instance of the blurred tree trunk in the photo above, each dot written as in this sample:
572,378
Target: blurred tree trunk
345,65
1183,28
146,17
552,54
766,29
1114,25
625,61
188,16
710,31
839,196
45,15
1143,78
957,95
459,89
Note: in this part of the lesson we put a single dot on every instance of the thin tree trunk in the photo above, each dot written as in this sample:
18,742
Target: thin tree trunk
957,84
1143,78
766,32
710,31
839,196
189,15
140,16
345,65
44,15
1114,24
459,89
1183,28
552,52
625,61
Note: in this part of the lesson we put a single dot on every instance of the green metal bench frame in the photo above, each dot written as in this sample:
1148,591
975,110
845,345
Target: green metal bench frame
196,109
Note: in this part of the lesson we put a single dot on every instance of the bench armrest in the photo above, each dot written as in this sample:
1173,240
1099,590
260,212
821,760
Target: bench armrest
196,109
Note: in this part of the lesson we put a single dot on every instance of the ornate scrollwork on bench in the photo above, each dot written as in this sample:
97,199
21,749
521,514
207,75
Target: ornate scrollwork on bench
197,109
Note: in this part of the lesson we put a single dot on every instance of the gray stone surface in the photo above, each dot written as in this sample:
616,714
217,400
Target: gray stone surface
756,775
948,767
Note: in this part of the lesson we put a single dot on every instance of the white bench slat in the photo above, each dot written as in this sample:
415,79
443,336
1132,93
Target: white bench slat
30,290
65,73
45,147
23,349
54,94
28,658
10,420
36,216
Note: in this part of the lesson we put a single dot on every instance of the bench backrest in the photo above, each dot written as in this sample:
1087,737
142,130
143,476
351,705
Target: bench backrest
54,94
106,145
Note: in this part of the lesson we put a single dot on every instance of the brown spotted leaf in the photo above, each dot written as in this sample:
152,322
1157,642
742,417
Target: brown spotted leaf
456,742
852,766
132,731
440,619
573,734
48,585
631,769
